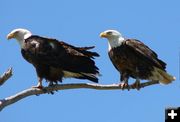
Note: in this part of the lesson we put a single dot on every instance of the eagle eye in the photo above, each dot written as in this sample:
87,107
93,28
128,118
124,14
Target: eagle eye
16,32
109,33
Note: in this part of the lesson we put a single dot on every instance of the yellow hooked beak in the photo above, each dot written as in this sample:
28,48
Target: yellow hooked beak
10,36
103,35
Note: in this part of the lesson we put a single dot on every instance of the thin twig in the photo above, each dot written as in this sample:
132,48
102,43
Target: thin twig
35,91
5,76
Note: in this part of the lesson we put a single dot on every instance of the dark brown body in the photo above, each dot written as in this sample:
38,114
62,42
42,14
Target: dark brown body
134,59
52,59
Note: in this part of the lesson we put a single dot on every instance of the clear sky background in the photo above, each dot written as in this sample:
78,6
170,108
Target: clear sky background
79,22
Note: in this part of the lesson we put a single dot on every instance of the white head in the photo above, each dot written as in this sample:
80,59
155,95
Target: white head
19,34
114,38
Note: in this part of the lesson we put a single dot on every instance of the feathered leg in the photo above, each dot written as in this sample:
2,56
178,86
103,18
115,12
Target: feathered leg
124,81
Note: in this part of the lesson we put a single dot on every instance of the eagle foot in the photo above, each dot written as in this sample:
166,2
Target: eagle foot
124,86
51,92
38,87
51,84
43,89
136,85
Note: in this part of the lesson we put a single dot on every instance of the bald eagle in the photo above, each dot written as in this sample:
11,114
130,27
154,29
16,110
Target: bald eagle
54,60
134,59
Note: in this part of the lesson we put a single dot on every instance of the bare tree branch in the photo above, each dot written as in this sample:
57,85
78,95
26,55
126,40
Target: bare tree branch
35,91
5,76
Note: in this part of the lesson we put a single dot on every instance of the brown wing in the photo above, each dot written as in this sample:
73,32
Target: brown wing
60,54
145,51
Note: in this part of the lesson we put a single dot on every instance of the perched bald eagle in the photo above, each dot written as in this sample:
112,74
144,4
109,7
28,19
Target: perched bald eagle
134,59
54,60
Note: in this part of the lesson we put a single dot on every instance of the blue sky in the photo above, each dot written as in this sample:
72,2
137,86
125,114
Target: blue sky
155,22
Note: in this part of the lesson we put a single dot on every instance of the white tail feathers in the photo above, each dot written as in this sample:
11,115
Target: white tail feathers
162,76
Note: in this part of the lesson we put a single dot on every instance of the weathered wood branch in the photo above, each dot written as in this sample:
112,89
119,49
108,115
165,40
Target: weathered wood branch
35,91
5,76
